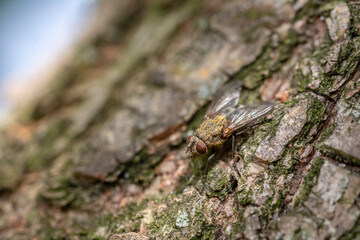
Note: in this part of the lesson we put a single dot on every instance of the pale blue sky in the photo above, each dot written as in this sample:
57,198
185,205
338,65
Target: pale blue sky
31,31
35,32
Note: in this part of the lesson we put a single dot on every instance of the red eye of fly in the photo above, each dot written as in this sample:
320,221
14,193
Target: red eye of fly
201,147
188,139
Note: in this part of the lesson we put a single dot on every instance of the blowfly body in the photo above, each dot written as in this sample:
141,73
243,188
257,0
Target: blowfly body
223,120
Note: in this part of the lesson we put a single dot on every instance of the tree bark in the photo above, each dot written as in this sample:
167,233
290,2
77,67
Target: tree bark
102,154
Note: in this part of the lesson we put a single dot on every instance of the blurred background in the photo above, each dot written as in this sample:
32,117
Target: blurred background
35,36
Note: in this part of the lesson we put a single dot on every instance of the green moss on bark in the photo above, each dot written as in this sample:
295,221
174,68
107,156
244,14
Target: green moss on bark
45,143
339,155
309,181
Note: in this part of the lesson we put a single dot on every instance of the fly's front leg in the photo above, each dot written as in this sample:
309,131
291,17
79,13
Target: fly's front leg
235,157
206,172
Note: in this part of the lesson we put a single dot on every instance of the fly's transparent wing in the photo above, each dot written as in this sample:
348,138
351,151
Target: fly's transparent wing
247,116
228,96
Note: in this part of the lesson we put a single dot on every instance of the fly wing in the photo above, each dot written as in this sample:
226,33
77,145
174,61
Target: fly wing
227,97
247,116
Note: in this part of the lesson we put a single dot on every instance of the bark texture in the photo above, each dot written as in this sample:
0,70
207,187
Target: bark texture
102,154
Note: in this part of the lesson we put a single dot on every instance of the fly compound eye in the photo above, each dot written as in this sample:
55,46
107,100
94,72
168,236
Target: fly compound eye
188,139
201,147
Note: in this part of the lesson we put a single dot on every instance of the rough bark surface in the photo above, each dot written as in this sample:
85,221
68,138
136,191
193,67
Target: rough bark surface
102,154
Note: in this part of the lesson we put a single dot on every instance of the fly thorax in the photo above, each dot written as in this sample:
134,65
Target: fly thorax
210,131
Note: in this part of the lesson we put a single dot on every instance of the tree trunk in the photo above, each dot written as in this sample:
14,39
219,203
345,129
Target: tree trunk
102,154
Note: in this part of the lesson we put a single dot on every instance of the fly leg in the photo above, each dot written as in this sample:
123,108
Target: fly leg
235,157
206,172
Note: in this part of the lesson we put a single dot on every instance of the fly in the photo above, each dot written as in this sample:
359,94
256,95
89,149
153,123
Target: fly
223,120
